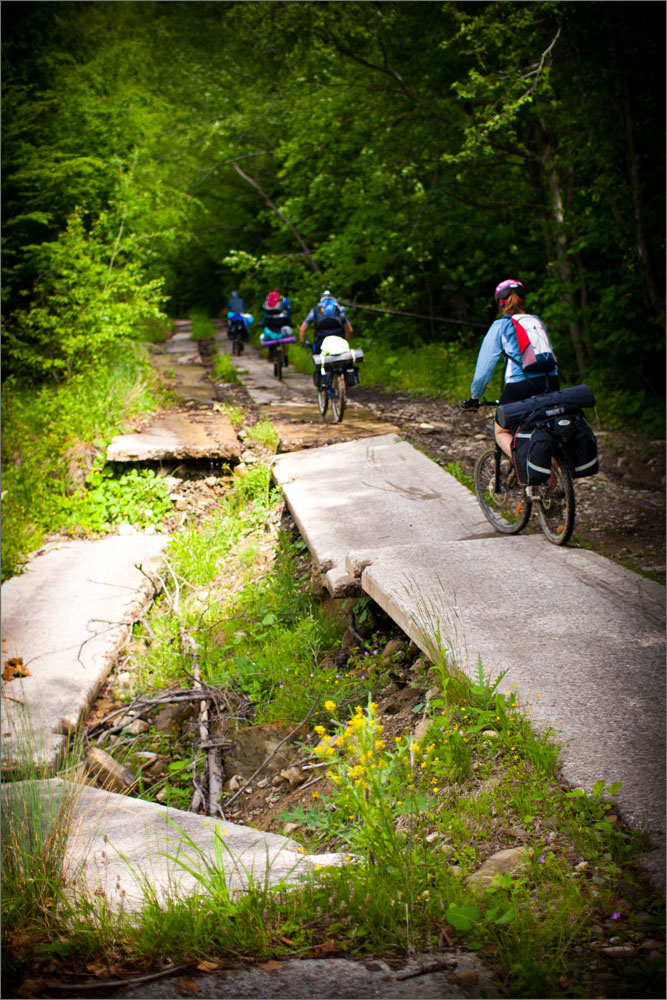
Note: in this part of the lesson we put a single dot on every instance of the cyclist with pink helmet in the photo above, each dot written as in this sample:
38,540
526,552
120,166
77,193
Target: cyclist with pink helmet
522,338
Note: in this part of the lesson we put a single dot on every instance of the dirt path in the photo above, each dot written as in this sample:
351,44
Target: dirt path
620,511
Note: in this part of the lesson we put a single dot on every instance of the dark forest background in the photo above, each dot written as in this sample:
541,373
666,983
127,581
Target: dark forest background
406,155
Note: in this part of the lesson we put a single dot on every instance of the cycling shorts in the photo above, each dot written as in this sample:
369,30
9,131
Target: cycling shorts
515,392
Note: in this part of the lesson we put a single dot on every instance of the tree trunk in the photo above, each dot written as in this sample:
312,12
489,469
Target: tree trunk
634,176
563,268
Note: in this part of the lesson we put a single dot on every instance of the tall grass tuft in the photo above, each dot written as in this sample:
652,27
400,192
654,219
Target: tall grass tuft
36,818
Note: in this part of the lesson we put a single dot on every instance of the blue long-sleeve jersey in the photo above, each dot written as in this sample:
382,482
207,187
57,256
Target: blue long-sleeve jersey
500,339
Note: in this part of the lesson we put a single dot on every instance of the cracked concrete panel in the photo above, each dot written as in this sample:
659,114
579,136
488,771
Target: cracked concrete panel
378,488
193,435
117,845
582,641
67,616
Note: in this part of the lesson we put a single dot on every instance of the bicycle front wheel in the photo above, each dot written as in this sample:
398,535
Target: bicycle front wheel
338,398
278,363
504,503
556,506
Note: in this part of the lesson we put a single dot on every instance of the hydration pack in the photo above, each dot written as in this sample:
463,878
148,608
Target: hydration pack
537,354
328,316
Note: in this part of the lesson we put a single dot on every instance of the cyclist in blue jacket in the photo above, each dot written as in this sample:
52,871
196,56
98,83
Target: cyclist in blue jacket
502,338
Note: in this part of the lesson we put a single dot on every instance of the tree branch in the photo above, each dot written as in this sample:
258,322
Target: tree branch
274,208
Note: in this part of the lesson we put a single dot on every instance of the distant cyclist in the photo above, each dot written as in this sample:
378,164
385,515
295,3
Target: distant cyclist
277,318
328,318
526,374
236,303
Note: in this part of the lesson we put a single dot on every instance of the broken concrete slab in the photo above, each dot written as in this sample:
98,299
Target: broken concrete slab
67,616
192,435
118,845
378,487
582,640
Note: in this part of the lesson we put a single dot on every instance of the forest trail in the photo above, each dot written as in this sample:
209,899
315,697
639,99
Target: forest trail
380,517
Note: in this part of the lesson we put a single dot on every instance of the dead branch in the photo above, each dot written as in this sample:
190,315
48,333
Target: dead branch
274,208
96,984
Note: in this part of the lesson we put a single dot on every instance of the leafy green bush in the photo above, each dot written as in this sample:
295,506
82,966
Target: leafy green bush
84,305
138,497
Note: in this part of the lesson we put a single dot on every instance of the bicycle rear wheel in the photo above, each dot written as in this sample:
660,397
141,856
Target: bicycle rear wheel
556,507
338,398
323,400
506,508
236,346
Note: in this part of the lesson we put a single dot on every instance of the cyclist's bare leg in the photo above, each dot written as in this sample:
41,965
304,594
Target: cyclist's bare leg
503,439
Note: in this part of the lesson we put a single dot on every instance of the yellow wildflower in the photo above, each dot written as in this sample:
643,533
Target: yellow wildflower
320,730
329,705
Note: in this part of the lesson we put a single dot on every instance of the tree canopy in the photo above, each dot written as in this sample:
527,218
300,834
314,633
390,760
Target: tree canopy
406,155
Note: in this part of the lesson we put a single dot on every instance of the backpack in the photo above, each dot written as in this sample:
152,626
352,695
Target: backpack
328,315
274,304
537,354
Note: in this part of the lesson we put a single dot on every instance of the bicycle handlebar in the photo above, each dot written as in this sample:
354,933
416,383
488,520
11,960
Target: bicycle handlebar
482,402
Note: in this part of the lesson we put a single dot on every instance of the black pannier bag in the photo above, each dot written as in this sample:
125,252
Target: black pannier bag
583,450
352,376
531,452
321,380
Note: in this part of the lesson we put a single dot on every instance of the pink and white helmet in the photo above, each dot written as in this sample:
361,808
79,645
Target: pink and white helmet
506,287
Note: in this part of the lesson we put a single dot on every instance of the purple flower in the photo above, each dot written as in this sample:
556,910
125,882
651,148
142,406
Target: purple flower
616,916
541,859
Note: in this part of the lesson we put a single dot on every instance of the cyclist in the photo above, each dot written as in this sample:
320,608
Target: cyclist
501,338
329,319
277,315
236,303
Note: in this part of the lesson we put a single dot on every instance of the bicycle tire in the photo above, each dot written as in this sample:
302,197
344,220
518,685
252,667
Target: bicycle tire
323,400
509,510
338,398
236,346
556,507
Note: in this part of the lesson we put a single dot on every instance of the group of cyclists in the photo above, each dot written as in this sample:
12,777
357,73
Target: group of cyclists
328,317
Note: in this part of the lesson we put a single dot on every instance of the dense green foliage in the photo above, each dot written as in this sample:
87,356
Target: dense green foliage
54,438
407,155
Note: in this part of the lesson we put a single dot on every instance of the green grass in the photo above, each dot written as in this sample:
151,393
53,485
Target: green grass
53,437
202,326
223,368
